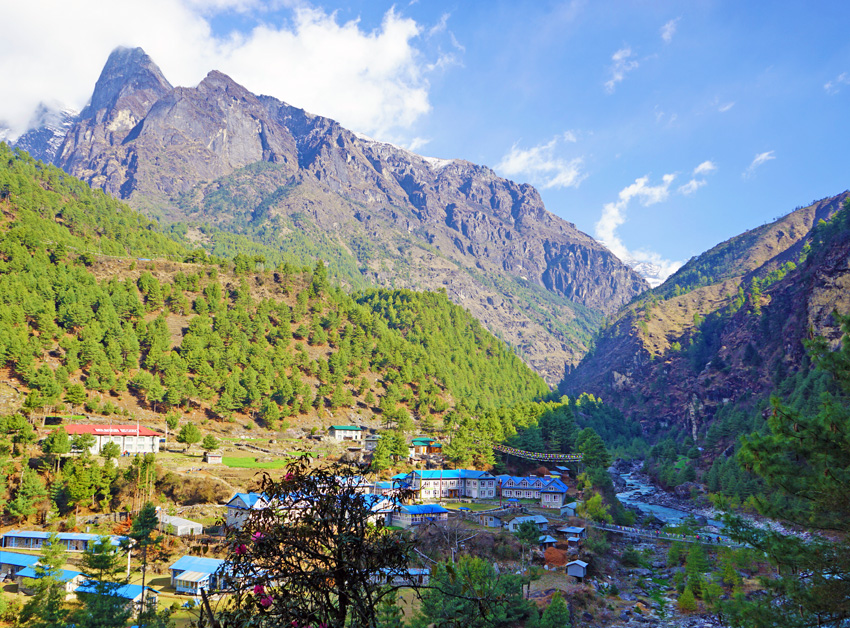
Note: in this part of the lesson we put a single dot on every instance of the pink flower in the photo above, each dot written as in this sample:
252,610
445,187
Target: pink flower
257,536
241,549
294,623
266,601
259,589
288,476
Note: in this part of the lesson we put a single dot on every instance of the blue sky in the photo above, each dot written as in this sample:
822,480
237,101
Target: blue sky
661,128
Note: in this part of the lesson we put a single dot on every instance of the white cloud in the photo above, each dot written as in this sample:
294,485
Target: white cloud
705,167
725,107
541,165
374,81
623,64
759,159
668,30
834,86
691,186
416,143
614,216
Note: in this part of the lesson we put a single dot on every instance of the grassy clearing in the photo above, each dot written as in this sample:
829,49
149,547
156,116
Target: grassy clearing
237,462
472,506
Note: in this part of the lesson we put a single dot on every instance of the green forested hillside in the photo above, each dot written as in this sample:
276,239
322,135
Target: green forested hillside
82,318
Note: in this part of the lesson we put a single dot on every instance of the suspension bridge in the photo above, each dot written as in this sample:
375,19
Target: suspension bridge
658,535
536,456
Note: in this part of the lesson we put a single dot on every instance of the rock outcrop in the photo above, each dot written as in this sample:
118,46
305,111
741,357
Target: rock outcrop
191,155
721,328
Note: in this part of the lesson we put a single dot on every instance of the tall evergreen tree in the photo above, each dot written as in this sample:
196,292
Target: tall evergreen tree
146,541
46,607
102,607
30,491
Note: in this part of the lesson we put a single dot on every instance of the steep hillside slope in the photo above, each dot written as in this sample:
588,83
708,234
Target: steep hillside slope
218,155
84,321
727,325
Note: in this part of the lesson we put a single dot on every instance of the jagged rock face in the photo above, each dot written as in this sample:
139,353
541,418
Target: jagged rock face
644,364
461,227
129,85
48,127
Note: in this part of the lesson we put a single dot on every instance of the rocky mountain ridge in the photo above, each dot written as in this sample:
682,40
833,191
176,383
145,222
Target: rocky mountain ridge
721,328
219,155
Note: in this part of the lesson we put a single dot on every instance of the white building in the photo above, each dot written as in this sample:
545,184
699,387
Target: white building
540,521
178,526
346,432
435,484
240,506
131,439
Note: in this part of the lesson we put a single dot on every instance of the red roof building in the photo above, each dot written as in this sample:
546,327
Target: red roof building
132,439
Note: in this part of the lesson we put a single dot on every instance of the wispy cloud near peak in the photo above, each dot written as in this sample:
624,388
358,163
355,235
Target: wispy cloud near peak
541,164
614,216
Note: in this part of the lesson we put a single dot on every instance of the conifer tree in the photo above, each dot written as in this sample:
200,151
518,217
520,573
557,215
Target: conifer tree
557,614
146,541
30,491
389,615
56,444
687,602
210,443
46,607
102,564
382,455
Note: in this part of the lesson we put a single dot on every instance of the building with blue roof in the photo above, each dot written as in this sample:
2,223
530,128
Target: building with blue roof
241,505
413,515
34,539
71,579
449,483
12,562
190,574
550,491
132,593
410,577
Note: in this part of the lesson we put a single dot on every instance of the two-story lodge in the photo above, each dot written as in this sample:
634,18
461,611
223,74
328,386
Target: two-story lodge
448,483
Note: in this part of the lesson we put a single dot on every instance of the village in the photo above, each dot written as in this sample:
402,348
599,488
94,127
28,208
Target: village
461,498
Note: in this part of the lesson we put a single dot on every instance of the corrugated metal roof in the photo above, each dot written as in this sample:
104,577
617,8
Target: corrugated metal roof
352,428
62,575
424,509
110,430
250,499
178,521
198,563
534,518
62,536
16,559
193,576
127,591
451,474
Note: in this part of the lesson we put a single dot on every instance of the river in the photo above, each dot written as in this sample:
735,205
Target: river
638,494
